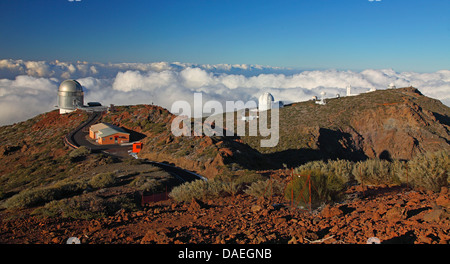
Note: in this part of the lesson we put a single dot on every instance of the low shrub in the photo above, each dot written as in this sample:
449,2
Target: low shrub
147,184
429,170
79,207
340,168
103,180
376,172
201,190
86,206
265,188
248,178
79,154
325,187
42,195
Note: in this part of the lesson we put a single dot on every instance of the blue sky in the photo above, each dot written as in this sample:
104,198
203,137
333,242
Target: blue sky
406,35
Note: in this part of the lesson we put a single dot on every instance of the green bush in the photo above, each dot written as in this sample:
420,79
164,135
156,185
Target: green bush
313,166
79,154
429,170
79,207
324,188
375,172
200,189
236,182
231,188
85,207
103,180
147,184
265,188
248,178
42,195
340,168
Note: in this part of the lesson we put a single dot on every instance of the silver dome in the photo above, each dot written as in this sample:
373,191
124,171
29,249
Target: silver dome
70,96
70,86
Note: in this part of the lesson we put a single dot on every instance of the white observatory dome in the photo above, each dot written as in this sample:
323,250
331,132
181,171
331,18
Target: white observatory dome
265,101
70,96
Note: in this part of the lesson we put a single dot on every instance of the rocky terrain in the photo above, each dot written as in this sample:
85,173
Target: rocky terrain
49,192
394,215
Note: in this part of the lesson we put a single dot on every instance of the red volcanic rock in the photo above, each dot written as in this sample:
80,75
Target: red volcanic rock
226,152
195,206
434,215
382,209
395,214
443,199
329,212
158,237
231,220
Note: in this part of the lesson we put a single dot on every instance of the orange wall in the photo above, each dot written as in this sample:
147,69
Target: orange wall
123,138
91,134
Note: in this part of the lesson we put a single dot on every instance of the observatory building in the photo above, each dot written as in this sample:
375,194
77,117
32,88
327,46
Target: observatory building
266,102
70,96
391,86
349,90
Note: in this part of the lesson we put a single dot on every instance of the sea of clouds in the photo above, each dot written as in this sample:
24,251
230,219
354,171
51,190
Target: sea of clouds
28,88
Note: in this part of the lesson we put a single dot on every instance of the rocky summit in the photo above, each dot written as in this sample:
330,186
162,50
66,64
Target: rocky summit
373,165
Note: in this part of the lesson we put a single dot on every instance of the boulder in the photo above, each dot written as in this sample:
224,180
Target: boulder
195,205
433,216
329,212
395,214
443,199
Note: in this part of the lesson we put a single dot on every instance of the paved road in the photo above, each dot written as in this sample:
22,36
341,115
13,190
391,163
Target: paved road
77,138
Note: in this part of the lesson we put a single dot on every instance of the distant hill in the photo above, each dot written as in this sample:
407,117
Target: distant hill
387,124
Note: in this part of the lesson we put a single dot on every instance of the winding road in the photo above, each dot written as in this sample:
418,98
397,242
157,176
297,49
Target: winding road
77,138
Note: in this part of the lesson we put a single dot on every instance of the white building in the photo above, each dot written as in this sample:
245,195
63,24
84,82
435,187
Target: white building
265,101
349,90
322,99
391,86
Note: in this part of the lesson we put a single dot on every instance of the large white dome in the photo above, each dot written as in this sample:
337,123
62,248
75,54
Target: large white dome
265,101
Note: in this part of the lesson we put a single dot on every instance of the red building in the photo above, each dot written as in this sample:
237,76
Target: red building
106,134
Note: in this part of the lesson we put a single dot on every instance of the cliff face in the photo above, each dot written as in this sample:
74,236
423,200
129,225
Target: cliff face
386,124
398,131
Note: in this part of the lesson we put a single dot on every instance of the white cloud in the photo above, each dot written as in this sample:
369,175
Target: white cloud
28,88
24,97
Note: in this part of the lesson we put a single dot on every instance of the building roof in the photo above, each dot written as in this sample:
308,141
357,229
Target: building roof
70,86
99,126
110,131
105,129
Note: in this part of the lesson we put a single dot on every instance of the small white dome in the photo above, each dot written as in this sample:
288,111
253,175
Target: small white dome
265,101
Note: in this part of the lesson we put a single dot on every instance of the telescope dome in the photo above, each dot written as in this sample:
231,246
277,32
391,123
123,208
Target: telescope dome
70,86
265,101
70,96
